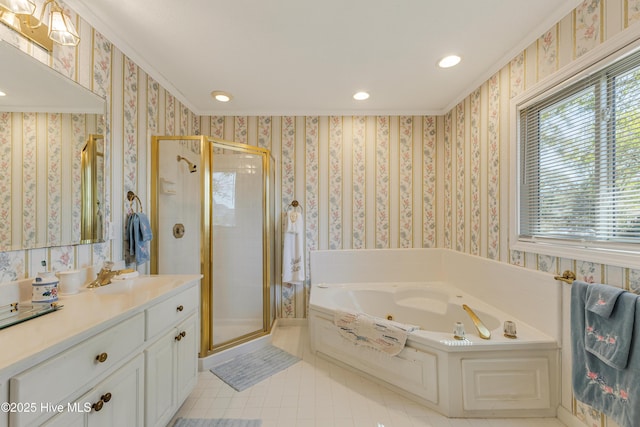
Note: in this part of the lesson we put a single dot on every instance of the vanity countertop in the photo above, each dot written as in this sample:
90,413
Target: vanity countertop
82,316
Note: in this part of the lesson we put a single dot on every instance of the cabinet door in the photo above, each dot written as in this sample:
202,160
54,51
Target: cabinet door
187,358
123,407
67,419
160,400
122,394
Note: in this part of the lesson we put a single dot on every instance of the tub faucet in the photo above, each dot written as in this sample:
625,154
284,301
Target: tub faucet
482,330
106,274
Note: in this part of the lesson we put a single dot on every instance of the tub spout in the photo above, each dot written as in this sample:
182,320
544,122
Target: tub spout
482,330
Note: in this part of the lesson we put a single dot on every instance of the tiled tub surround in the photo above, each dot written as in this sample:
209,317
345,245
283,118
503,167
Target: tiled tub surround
53,360
499,377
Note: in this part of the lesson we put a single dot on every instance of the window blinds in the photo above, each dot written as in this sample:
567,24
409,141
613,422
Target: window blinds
580,159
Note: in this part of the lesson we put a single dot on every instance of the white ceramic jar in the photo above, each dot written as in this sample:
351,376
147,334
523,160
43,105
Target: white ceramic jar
44,288
71,281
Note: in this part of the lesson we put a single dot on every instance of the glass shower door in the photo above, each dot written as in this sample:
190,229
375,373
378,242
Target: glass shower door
211,204
238,245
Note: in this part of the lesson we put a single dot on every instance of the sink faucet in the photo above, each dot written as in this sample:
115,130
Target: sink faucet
106,274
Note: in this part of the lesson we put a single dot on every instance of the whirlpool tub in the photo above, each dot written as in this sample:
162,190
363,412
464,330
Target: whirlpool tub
473,377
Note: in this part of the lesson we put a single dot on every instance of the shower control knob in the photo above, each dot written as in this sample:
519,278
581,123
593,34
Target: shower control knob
178,231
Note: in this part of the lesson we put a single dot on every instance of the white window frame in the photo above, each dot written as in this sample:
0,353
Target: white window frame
607,53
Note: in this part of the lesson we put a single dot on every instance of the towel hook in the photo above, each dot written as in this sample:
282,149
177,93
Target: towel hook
295,205
131,196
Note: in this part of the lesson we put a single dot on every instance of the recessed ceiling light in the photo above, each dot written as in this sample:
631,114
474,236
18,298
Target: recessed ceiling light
449,61
361,96
221,96
2,93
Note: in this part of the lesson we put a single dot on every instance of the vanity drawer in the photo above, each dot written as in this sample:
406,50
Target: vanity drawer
170,312
64,375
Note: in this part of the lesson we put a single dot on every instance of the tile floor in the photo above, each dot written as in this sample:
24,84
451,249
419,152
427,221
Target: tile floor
315,392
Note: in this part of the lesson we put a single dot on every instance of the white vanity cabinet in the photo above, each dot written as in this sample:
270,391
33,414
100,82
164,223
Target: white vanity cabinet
171,368
54,382
132,367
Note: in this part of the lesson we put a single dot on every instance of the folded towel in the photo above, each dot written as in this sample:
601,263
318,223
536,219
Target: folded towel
138,233
381,334
602,298
293,249
609,337
605,388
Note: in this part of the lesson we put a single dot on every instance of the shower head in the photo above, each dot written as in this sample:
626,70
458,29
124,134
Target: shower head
192,167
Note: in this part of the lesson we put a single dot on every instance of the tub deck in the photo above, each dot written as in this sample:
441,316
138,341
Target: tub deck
500,377
429,306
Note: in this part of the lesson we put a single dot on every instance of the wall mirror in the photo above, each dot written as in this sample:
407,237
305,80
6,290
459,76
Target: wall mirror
47,121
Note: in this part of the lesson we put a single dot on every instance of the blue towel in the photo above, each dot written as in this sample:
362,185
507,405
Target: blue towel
605,388
601,299
138,234
608,337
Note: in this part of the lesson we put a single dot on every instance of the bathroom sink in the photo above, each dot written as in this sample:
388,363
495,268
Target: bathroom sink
121,286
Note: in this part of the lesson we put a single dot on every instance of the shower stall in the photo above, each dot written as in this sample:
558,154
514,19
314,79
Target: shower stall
212,213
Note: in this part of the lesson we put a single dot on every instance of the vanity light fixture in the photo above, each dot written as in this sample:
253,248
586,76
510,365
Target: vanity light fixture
221,96
23,7
361,96
10,19
19,15
449,61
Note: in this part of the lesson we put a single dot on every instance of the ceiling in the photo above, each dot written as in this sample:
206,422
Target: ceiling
301,57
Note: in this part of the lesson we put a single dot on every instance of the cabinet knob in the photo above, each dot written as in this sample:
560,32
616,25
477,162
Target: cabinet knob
178,337
98,405
179,308
106,397
102,357
183,333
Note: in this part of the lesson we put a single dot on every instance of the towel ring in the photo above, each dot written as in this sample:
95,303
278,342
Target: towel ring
131,196
295,206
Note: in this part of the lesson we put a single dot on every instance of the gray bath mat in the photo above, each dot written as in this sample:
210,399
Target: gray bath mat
216,422
248,369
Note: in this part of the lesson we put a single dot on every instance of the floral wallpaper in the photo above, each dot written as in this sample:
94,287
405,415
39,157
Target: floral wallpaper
363,181
548,53
406,205
429,169
358,239
335,215
588,26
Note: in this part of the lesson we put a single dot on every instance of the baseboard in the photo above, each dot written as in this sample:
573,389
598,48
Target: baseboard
567,418
292,321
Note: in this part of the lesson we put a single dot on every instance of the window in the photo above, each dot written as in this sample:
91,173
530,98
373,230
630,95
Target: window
224,199
579,155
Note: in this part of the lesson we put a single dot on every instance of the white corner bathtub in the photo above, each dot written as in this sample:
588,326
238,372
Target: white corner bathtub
499,377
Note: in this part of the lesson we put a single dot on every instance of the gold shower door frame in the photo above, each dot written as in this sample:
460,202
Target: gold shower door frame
207,157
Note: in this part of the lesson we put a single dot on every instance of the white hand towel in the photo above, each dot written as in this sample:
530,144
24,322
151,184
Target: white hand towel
293,250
